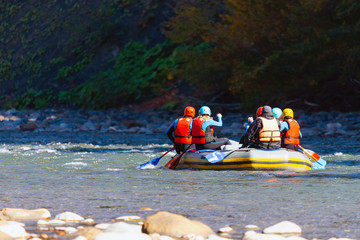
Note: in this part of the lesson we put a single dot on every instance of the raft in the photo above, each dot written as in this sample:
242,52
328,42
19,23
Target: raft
245,159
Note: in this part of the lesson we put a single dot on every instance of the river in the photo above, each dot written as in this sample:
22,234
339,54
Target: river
95,175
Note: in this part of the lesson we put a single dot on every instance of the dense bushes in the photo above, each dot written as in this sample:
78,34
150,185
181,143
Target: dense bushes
89,53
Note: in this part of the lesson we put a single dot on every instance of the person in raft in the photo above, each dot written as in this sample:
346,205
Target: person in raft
278,114
264,132
203,132
179,132
290,131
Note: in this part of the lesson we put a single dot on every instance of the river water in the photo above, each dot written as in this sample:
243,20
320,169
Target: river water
95,175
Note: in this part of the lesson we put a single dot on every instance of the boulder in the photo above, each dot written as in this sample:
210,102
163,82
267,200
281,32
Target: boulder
285,227
18,214
13,230
171,224
122,227
30,126
4,236
69,216
89,233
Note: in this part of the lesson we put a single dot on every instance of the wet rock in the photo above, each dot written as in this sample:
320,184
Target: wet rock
226,229
285,227
69,216
170,224
252,227
2,118
17,214
30,126
130,123
51,222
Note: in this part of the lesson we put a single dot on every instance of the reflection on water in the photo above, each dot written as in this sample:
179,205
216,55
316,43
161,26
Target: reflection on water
102,182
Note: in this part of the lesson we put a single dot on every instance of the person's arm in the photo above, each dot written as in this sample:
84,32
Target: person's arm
284,126
170,130
250,133
212,122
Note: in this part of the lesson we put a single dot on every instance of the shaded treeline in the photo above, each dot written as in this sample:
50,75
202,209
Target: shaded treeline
104,54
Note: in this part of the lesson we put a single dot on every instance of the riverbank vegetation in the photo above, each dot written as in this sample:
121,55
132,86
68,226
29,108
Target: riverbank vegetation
105,54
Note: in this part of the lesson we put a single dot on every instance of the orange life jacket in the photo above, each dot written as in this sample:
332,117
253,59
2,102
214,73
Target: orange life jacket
270,131
292,136
182,130
199,136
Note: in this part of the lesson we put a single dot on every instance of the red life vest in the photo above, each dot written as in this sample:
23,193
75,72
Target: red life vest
270,131
199,136
182,130
292,136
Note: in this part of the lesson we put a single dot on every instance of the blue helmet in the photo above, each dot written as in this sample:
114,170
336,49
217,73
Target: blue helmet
205,110
277,112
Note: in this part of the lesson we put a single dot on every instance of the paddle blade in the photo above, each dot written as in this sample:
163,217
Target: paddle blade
172,164
320,164
215,157
150,164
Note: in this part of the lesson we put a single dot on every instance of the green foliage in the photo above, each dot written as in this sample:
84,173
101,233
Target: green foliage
137,73
272,51
32,99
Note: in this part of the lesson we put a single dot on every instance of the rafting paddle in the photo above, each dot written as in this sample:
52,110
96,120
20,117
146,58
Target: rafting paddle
154,162
172,164
316,160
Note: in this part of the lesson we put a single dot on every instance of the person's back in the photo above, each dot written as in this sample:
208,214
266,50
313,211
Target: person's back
264,131
203,133
181,129
290,130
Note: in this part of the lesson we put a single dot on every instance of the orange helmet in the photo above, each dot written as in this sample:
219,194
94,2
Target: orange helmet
259,111
189,111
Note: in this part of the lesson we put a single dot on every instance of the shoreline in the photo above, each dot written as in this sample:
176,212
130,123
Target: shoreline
38,224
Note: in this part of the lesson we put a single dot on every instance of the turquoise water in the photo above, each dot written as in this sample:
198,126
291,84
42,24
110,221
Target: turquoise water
96,177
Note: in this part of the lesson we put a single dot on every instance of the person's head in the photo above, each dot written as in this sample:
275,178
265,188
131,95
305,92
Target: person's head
259,111
277,112
288,113
189,111
205,110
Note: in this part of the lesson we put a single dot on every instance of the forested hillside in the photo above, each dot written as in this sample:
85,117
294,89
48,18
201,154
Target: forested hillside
111,53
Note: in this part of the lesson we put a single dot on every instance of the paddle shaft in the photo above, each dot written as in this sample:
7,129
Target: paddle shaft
167,152
307,153
172,164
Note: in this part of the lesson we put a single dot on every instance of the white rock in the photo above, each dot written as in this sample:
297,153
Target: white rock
69,216
79,238
215,237
252,235
67,229
102,226
122,227
284,227
17,223
122,236
13,230
156,236
128,218
252,227
88,221
192,237
226,230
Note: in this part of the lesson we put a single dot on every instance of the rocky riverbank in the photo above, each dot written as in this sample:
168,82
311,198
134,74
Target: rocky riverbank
38,224
152,122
